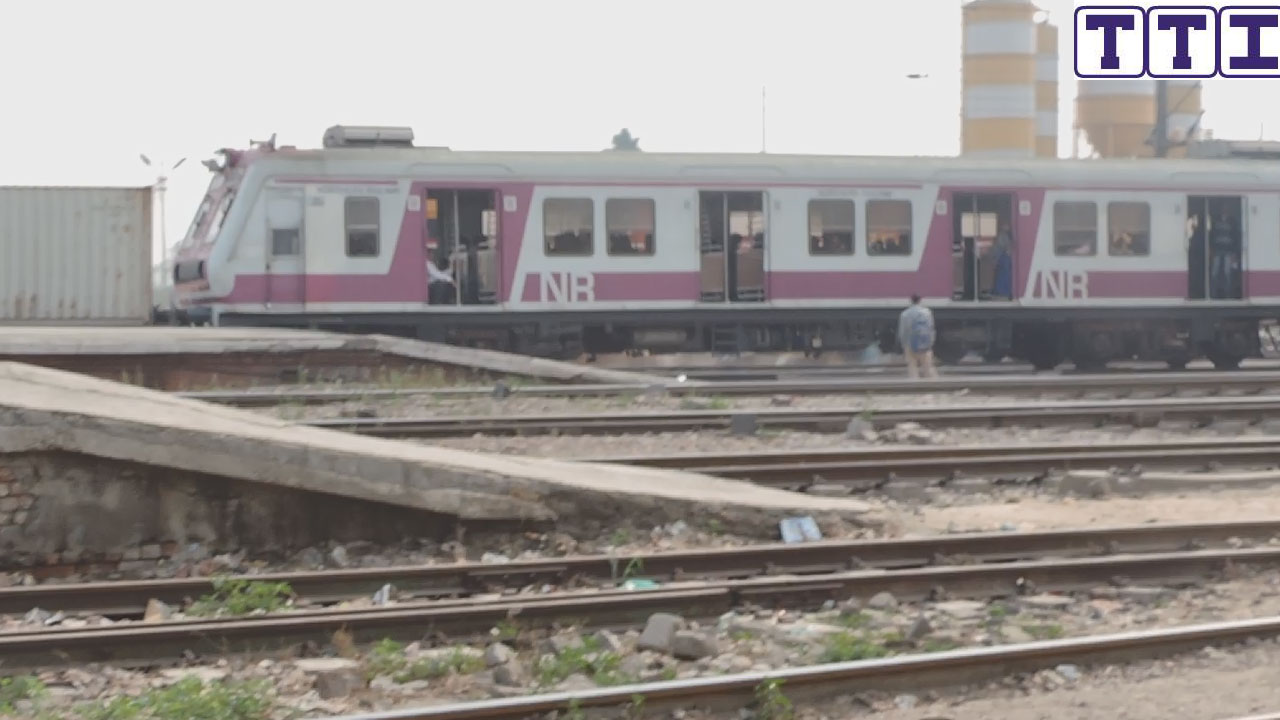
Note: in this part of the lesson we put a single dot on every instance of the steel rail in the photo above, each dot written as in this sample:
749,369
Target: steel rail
914,672
129,598
1261,380
694,461
1137,412
142,643
1006,463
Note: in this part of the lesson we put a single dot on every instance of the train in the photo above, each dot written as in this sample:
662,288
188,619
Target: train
564,253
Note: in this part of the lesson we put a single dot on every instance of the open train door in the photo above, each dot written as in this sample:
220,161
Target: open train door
285,251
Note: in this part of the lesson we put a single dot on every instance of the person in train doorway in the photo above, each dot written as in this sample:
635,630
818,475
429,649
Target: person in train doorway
916,333
441,289
1221,244
1002,286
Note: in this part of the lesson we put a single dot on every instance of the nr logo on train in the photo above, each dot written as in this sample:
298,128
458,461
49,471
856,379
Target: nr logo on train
1175,41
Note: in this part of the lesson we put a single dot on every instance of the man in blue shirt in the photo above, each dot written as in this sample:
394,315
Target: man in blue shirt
916,334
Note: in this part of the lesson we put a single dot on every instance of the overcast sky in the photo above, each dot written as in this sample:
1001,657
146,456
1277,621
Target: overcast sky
90,84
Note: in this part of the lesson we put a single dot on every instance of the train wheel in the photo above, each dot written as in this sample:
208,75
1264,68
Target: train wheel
949,353
1225,361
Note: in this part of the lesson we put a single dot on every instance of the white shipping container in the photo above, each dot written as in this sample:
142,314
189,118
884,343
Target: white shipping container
75,255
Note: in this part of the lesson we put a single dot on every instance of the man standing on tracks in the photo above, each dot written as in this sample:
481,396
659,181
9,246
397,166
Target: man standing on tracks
916,334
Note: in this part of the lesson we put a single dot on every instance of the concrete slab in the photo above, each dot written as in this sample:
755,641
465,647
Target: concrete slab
51,411
33,343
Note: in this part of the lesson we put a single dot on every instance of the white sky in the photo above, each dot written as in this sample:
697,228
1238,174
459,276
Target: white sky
89,84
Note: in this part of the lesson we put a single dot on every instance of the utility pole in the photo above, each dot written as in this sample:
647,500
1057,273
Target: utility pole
1161,139
764,120
161,186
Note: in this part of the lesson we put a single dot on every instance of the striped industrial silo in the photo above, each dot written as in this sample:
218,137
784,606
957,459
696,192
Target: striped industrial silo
998,77
1117,116
1046,90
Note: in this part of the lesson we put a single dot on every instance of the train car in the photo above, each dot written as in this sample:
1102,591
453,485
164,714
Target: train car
559,253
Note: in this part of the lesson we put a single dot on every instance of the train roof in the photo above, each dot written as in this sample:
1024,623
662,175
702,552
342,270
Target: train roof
708,168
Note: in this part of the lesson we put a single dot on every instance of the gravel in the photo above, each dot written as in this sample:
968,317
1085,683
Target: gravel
515,662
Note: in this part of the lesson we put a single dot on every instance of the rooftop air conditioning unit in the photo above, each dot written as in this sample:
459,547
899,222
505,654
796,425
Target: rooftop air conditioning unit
367,136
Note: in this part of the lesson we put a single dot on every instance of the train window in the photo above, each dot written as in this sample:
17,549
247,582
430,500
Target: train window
1129,228
284,242
630,223
567,225
888,227
1075,228
362,226
831,227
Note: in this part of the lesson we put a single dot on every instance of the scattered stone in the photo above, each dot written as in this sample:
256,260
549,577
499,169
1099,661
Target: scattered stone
383,596
498,654
492,558
961,609
828,490
338,682
510,674
576,681
1048,601
883,601
557,644
920,628
339,557
1070,673
633,666
781,400
659,632
204,674
905,702
609,642
1142,594
688,645
156,611
36,616
859,428
309,557
501,391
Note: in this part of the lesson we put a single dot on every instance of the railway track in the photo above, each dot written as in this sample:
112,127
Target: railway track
1134,412
128,599
876,467
802,588
1120,384
914,673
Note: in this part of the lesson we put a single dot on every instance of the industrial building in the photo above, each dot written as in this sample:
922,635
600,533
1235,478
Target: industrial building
1010,109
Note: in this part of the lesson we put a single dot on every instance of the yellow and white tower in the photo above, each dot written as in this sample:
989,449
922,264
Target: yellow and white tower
998,77
1117,116
1046,90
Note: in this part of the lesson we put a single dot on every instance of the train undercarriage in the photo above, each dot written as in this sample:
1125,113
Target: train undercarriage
1044,338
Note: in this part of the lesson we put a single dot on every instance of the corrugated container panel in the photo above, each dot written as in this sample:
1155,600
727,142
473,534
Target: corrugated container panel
75,255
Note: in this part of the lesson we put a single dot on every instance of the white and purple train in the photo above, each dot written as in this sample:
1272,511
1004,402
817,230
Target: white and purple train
559,253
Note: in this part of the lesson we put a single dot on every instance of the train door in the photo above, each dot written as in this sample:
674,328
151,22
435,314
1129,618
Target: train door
462,243
731,237
1215,233
982,247
284,248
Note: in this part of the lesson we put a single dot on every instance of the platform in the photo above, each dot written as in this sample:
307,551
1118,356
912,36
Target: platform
189,457
146,355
